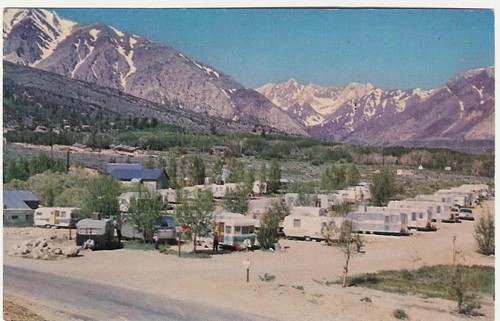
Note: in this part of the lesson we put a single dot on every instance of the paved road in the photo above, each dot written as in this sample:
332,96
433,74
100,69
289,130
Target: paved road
87,300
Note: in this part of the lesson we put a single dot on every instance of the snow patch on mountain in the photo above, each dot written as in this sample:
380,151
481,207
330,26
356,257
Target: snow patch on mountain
314,120
131,67
94,33
118,32
82,60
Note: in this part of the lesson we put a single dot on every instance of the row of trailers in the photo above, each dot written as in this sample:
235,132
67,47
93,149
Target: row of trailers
422,213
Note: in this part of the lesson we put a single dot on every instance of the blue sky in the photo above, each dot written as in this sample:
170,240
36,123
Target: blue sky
390,48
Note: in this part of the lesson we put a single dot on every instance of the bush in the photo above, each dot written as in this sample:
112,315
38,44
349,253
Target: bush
267,277
400,314
484,233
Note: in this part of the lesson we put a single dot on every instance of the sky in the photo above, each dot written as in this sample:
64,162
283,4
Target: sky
390,48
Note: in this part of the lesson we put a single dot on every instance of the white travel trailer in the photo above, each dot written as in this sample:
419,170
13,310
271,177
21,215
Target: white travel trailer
219,191
259,188
257,207
56,216
418,218
481,190
328,201
168,195
308,211
348,195
306,227
379,222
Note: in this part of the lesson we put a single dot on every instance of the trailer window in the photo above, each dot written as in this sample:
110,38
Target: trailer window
38,213
246,229
228,229
387,220
14,217
237,230
413,216
296,223
420,215
439,209
63,213
56,213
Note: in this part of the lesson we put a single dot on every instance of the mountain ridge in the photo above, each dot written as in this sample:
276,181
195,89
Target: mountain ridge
107,57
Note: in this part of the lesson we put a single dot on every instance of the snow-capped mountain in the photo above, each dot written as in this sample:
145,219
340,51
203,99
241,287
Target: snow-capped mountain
455,114
102,55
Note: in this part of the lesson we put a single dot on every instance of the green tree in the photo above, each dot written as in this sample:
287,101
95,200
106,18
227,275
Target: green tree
268,234
196,214
236,201
262,177
383,187
274,177
100,195
353,176
150,164
11,171
216,176
237,173
172,172
249,180
197,171
145,211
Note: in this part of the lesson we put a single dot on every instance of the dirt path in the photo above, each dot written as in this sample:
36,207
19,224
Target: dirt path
296,293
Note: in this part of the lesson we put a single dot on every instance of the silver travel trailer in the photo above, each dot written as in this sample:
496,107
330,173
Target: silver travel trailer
418,218
379,222
100,231
459,198
437,211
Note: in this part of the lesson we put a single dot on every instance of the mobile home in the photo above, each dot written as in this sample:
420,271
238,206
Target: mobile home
56,216
379,222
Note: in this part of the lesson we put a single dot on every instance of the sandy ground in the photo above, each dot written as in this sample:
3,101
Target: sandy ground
295,294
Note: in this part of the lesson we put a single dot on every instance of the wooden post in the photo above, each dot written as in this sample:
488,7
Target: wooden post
248,275
179,243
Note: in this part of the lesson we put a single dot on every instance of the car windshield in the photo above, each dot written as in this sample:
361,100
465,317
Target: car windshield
166,221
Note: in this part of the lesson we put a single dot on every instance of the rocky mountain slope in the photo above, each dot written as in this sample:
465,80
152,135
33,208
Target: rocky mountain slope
44,90
101,55
459,115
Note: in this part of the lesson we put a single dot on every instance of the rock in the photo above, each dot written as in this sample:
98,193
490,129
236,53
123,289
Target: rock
24,250
71,251
58,251
53,237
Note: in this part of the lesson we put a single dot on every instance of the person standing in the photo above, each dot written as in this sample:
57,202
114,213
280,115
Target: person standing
216,242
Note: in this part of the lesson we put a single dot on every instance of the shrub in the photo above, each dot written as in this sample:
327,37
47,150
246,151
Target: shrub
400,314
267,277
484,233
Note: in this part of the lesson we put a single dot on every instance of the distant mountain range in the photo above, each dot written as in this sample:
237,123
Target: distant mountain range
96,60
459,115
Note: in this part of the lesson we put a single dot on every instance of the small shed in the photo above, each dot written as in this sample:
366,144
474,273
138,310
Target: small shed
19,207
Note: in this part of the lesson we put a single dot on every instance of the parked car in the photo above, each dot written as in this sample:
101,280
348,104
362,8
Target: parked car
465,213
